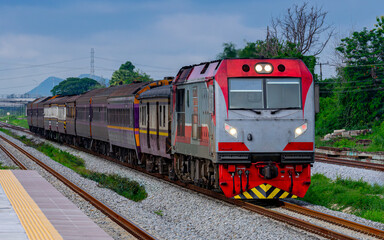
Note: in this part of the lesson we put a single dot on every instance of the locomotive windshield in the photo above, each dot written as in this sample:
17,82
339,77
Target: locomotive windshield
246,93
272,93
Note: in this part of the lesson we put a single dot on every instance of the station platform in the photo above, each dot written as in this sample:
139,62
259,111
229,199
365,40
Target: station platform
31,208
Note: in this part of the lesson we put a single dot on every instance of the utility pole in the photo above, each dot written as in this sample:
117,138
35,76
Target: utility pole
92,63
321,69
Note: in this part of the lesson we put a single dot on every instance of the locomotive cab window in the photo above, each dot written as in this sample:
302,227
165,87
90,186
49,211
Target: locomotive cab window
283,93
246,93
262,93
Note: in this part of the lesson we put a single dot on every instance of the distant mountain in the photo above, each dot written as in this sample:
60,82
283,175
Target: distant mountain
44,88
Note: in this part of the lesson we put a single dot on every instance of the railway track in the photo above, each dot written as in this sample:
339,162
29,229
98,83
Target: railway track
347,162
334,220
327,233
121,221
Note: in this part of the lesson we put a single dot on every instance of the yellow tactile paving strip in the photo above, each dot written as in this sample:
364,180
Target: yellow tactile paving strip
35,223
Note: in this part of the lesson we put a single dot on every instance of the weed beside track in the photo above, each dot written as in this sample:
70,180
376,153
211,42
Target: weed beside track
123,186
354,197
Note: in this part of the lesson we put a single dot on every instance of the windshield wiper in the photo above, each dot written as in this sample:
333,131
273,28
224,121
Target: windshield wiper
278,110
253,110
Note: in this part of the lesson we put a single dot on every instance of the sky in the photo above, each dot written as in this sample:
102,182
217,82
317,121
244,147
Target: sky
44,38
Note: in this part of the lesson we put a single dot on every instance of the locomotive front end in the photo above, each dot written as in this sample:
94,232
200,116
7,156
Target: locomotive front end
264,128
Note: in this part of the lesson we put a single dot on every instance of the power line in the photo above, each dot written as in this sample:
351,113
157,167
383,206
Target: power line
138,64
34,75
31,85
110,69
367,80
40,65
362,65
357,90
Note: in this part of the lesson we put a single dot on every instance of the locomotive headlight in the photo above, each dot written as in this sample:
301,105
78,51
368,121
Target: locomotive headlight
263,68
258,68
300,130
231,130
268,68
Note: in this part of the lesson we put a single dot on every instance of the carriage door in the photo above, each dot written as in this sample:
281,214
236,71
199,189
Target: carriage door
148,121
157,125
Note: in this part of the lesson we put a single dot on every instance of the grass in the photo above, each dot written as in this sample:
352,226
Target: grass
346,195
6,167
159,212
20,121
123,186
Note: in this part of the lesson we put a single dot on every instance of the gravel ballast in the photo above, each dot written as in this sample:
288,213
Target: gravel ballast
182,214
333,171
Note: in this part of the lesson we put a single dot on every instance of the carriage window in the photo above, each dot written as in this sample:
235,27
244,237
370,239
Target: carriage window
245,93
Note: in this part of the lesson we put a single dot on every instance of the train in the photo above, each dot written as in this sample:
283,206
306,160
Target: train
244,127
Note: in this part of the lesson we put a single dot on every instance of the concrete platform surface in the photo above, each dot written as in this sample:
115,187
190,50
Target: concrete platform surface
31,208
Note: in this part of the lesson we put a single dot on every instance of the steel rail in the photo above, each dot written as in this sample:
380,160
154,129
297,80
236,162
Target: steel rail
334,220
17,162
327,233
349,163
124,223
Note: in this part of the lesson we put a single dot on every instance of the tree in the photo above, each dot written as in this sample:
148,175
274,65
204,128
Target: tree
127,74
229,51
361,88
303,26
72,86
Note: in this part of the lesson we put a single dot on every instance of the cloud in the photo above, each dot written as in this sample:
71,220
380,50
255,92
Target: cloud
160,46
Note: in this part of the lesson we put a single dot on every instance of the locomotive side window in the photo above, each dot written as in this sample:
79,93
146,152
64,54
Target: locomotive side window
180,109
283,93
246,93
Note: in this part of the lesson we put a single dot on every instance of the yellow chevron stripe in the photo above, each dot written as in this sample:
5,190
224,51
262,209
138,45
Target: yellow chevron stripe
260,195
247,195
276,191
265,187
257,193
284,195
